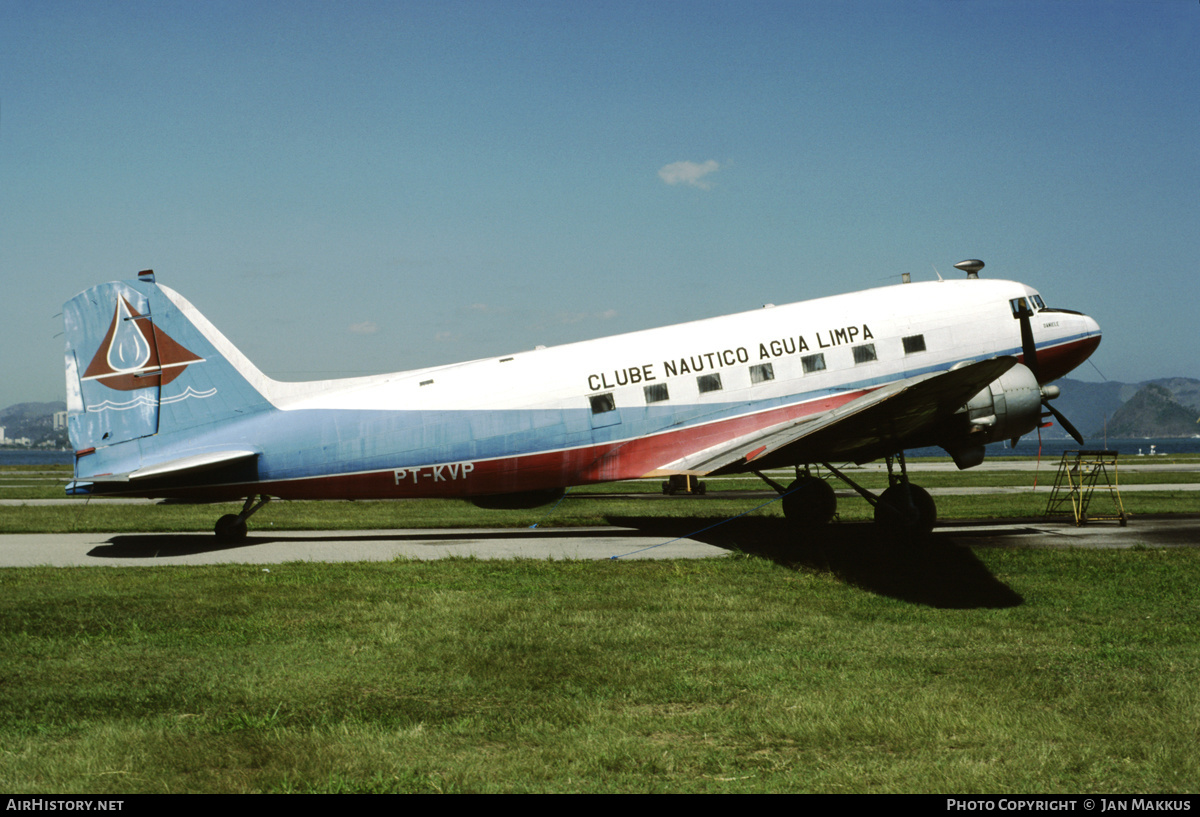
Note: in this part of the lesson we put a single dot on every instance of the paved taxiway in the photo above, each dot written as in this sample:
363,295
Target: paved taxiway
265,547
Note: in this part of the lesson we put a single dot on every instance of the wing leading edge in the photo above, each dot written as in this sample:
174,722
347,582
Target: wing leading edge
871,426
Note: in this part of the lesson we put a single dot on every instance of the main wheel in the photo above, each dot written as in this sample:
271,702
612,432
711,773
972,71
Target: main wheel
229,528
809,503
896,514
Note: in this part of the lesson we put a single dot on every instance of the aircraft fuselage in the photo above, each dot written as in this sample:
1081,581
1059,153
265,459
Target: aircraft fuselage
628,406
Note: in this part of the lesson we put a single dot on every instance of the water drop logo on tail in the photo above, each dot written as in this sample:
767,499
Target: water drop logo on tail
136,354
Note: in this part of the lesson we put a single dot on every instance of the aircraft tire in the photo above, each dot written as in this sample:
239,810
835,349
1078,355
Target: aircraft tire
229,529
810,503
894,514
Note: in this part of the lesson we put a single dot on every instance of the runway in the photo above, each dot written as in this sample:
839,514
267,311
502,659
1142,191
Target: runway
646,539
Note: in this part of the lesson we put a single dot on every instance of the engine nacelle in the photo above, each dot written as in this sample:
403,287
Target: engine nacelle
1009,407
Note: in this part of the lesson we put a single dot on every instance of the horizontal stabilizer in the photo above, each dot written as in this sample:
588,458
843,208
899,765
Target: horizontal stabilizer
180,467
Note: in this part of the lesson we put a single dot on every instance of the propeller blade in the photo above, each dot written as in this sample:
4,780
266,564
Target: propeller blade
1028,347
1064,422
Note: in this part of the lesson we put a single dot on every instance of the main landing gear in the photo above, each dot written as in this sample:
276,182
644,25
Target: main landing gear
232,527
808,503
903,509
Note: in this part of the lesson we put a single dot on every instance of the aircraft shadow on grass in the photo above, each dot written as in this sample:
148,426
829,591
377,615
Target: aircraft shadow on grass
940,571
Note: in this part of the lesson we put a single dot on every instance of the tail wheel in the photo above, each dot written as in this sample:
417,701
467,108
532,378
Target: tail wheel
809,503
897,514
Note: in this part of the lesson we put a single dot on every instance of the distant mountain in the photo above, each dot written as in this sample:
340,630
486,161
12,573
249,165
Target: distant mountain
33,421
1087,405
1185,390
1153,412
1156,408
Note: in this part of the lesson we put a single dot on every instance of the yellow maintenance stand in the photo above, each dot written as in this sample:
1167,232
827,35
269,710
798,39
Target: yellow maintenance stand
1079,475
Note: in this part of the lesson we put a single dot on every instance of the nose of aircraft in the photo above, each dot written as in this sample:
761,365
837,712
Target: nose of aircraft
1081,336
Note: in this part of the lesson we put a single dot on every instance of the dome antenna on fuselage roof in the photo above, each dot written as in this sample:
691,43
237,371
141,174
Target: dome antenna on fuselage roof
971,267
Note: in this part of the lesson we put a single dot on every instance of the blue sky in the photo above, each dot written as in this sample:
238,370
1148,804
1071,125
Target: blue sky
345,188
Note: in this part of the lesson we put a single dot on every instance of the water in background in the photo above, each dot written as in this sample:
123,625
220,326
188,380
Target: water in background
1027,446
35,456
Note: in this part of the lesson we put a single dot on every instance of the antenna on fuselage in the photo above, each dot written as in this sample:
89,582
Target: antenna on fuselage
971,267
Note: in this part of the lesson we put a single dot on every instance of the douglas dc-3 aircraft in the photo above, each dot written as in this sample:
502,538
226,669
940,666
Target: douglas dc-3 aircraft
162,405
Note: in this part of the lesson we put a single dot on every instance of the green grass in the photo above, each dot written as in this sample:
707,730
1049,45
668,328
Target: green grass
574,511
853,667
583,506
1048,671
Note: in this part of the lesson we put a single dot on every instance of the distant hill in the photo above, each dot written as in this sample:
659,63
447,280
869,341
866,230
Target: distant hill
1185,390
1153,412
1168,407
1088,405
34,421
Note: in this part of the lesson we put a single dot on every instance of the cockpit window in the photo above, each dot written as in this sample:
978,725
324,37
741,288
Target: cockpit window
1031,304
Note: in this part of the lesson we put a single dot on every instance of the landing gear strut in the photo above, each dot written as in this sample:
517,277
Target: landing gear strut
903,509
232,527
808,503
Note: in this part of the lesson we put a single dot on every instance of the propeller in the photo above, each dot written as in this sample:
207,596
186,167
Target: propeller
1029,352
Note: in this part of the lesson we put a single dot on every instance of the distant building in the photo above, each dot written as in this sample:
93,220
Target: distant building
60,420
2,434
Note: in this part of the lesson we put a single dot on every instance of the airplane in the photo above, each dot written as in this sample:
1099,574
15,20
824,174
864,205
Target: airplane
162,405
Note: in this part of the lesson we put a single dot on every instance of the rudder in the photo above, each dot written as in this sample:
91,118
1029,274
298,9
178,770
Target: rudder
141,361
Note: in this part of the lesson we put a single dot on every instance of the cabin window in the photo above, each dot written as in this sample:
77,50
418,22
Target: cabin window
1020,307
914,344
813,363
709,382
1037,301
656,392
762,373
602,403
864,353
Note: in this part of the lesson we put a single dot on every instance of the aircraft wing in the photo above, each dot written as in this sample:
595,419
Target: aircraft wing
871,426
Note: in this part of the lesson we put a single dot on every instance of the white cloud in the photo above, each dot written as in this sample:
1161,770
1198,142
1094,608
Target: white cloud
364,328
688,173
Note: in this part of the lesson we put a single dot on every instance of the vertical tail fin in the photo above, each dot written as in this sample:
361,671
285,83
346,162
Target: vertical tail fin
141,361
